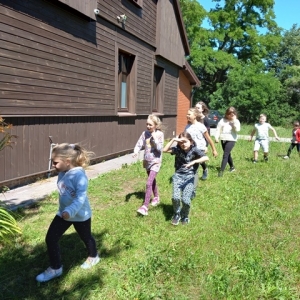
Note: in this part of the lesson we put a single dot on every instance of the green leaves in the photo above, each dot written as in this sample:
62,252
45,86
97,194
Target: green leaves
8,225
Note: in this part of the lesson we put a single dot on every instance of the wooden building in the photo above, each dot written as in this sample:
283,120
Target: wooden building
87,72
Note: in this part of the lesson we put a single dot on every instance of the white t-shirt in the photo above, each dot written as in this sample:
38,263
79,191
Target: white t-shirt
196,131
262,131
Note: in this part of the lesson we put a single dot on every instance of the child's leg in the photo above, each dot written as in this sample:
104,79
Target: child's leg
56,229
227,147
84,231
298,148
150,186
176,196
265,146
291,148
255,150
186,198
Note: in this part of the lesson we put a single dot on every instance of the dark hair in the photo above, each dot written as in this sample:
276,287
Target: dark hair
204,107
230,110
187,136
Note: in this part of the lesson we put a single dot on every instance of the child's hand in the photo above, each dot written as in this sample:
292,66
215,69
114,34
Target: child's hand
65,215
216,141
189,164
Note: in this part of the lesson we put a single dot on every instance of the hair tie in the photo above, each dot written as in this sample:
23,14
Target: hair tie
72,146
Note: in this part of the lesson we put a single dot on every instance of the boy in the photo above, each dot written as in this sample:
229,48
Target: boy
262,137
295,142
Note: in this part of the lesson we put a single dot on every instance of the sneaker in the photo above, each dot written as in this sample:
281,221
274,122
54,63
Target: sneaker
205,174
91,261
232,169
155,201
49,274
185,221
176,219
220,174
254,161
143,210
286,157
266,158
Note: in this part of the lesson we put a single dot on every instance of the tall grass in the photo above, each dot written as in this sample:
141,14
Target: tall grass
242,242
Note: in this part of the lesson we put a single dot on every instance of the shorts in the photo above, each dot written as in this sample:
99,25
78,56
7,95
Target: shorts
261,143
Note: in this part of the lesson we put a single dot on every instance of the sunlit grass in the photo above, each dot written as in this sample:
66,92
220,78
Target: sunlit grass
242,242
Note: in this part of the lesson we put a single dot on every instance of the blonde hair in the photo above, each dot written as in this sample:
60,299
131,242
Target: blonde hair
78,156
157,122
195,111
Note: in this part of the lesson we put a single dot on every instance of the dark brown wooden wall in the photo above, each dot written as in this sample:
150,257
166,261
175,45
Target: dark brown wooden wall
57,78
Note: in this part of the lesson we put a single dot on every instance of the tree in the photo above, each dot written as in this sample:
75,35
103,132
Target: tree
251,91
285,61
232,40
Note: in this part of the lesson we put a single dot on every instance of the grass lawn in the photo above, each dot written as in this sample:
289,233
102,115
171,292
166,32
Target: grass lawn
242,242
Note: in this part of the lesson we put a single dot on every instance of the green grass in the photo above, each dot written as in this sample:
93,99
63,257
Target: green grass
242,242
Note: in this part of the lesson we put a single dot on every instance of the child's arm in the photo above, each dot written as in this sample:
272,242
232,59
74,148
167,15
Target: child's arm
167,148
252,134
139,145
218,131
275,133
157,140
235,124
197,161
209,140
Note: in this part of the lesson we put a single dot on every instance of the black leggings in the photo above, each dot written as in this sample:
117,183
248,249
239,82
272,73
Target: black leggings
292,147
57,228
227,146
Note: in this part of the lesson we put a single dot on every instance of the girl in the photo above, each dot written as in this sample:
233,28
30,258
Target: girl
295,142
200,135
187,159
74,208
203,112
227,130
152,141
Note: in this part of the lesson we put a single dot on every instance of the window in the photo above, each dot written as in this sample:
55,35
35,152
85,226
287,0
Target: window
138,3
126,81
157,89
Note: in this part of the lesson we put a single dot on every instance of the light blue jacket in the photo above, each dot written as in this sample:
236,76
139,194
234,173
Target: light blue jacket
72,187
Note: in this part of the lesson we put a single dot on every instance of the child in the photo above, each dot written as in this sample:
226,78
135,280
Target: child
199,134
203,112
295,142
187,160
74,208
226,131
152,141
262,137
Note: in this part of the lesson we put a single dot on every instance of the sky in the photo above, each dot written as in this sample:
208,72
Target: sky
287,11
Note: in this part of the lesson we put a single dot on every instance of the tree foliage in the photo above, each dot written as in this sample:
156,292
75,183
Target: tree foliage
242,58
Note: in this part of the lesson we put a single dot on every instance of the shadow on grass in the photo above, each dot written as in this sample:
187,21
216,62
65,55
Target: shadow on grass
20,264
167,210
138,195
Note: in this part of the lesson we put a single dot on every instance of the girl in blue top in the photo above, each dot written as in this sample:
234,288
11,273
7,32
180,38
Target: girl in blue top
74,207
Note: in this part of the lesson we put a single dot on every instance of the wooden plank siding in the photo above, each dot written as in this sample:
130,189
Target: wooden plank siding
58,74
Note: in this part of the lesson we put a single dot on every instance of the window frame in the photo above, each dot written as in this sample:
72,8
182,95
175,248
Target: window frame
131,85
157,89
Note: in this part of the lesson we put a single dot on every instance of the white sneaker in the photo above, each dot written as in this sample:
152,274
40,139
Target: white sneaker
91,261
143,210
155,201
286,157
49,274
